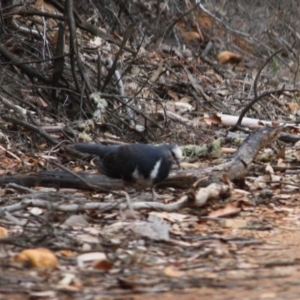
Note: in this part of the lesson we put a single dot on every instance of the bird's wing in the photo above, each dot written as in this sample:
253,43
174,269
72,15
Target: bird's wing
119,163
154,157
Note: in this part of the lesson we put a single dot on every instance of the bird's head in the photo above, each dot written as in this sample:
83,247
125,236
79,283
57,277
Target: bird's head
176,154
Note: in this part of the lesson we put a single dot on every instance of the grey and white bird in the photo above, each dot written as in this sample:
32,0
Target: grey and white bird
139,165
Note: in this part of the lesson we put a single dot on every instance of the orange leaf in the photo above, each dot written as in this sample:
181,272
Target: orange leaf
227,57
37,258
3,232
191,35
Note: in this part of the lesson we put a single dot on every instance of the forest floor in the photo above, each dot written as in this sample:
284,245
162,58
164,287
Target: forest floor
64,242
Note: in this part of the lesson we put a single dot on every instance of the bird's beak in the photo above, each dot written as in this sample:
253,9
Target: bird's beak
177,163
177,155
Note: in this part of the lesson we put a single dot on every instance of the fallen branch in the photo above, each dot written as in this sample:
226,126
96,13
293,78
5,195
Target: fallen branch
203,185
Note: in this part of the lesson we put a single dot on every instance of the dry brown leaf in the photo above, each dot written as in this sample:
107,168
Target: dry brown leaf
184,106
191,35
37,258
269,295
227,57
293,107
54,38
172,217
3,232
205,20
40,4
76,220
282,163
66,253
87,238
185,99
173,95
189,165
92,258
234,223
213,119
157,72
170,271
228,150
260,182
42,147
103,265
228,210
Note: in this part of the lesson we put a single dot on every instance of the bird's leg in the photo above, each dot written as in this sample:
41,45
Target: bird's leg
155,196
129,203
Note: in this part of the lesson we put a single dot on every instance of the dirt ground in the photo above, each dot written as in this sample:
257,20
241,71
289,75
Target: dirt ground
276,275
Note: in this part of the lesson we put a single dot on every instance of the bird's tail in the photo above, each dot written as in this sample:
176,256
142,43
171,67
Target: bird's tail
95,149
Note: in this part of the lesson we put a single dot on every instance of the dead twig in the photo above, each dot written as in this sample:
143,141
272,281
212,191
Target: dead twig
256,98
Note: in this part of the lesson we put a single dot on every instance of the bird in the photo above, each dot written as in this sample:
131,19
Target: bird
138,165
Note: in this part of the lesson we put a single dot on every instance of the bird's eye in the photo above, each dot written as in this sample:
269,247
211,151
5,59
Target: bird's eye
177,153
